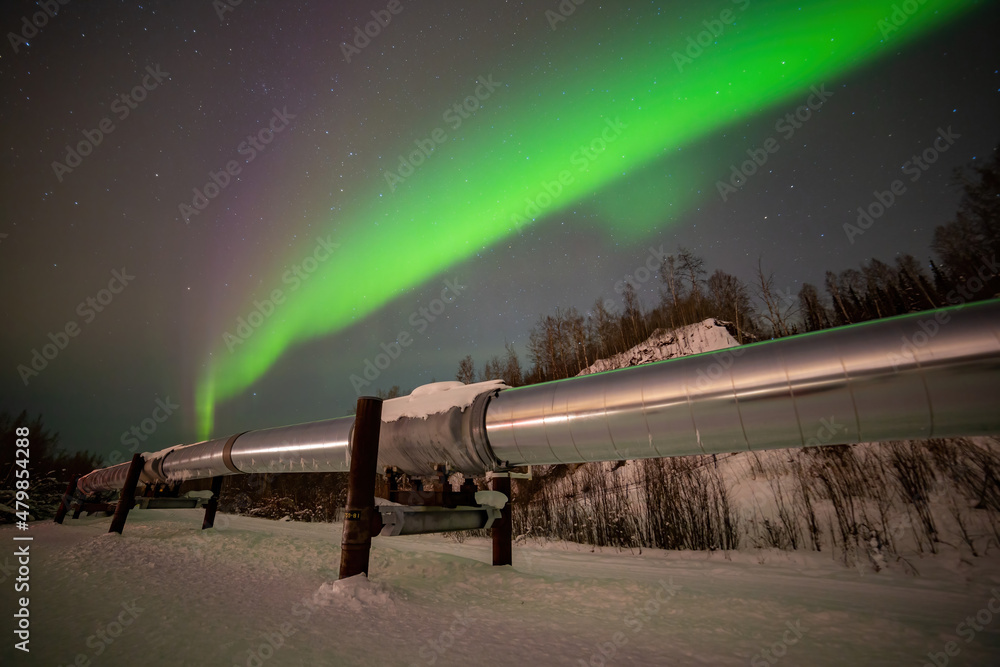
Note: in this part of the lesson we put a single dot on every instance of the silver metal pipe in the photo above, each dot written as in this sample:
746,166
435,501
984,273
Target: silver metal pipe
103,479
400,520
925,375
439,424
322,446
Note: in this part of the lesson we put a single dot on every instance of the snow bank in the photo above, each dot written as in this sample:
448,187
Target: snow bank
356,593
254,593
706,336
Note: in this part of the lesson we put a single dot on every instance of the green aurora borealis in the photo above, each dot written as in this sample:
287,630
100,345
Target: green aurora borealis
468,194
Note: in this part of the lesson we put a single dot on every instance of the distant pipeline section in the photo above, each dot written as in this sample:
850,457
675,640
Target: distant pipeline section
924,375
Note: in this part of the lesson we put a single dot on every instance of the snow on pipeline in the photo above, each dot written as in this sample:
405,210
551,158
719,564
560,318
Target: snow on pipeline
253,592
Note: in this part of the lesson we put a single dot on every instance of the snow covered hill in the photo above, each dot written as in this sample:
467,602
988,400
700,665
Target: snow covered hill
705,336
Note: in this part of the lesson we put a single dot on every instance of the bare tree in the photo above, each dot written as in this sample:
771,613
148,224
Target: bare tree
730,298
577,333
673,291
692,270
815,315
466,370
779,310
492,370
841,314
512,374
604,331
913,278
631,318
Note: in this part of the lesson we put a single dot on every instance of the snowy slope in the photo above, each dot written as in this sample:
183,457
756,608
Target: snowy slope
890,502
705,336
217,597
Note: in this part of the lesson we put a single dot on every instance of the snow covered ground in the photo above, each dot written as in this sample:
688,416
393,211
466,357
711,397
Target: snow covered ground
256,592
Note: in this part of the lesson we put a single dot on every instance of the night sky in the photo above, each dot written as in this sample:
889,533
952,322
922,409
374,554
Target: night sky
228,210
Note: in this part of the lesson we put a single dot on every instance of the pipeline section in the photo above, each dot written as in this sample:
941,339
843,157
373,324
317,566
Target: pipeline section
933,374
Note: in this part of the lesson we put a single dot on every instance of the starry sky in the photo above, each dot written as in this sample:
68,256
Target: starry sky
216,217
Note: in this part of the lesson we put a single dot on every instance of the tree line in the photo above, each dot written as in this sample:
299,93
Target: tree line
963,269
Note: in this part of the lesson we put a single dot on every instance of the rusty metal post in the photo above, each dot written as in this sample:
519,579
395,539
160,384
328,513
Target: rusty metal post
213,503
67,498
356,544
127,499
502,531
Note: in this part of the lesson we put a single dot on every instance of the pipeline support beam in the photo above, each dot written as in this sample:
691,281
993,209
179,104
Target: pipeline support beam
127,499
356,544
502,531
67,498
213,503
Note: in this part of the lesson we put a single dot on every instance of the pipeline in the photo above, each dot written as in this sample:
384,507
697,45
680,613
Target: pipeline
925,375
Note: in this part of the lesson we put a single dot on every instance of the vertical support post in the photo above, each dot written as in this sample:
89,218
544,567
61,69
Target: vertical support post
356,544
79,507
469,485
392,482
441,479
127,499
67,498
502,531
213,503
